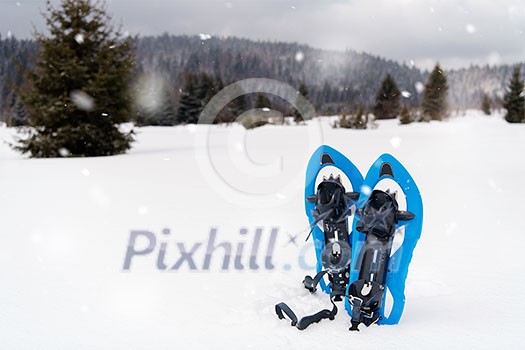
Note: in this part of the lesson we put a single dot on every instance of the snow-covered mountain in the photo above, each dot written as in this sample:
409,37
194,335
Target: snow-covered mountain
336,80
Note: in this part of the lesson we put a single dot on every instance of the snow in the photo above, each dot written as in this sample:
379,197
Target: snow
420,87
79,38
66,225
299,56
204,36
470,28
82,100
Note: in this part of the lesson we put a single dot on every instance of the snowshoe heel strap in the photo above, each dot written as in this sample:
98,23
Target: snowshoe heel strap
282,309
317,317
311,283
365,298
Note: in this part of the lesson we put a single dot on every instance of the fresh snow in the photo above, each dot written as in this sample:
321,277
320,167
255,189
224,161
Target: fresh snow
65,226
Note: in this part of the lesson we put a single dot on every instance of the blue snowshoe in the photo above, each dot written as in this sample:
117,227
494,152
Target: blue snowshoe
386,228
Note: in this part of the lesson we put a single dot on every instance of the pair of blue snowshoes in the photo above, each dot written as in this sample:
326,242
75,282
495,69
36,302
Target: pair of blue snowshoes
365,266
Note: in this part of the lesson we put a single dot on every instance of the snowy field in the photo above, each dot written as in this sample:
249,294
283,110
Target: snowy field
66,224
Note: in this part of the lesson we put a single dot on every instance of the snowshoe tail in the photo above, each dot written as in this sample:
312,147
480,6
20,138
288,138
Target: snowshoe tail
384,238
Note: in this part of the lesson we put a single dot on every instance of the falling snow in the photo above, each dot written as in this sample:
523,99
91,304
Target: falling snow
204,36
143,210
494,58
419,87
150,89
471,29
82,100
79,38
64,152
406,94
395,141
299,56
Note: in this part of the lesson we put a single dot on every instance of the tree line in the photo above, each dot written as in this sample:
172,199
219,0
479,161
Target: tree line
76,91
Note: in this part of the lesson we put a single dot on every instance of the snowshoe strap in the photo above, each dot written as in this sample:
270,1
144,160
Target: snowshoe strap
365,298
282,309
311,283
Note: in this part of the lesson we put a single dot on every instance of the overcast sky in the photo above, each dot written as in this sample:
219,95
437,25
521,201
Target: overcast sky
455,33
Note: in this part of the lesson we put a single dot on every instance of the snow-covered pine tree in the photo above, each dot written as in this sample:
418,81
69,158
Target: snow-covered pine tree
514,99
78,92
387,99
434,104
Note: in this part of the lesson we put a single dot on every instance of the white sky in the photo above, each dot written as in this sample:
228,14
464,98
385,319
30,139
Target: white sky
455,33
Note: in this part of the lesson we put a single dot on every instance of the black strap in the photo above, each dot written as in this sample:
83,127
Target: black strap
282,307
311,283
356,315
365,308
304,322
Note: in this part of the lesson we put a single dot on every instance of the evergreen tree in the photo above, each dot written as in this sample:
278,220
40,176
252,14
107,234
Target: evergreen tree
19,113
405,117
262,101
514,99
486,104
357,121
153,102
160,113
190,104
434,104
303,90
238,105
207,88
78,91
387,99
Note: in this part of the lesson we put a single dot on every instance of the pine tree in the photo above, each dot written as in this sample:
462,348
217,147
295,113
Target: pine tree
514,99
190,104
303,90
387,99
207,88
78,91
153,102
160,113
405,117
19,113
262,101
434,104
238,105
357,121
486,104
